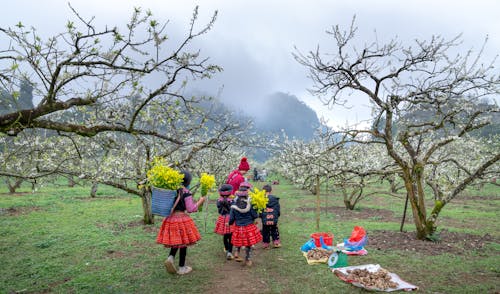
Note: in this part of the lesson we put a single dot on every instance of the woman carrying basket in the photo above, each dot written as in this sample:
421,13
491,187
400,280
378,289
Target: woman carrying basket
178,231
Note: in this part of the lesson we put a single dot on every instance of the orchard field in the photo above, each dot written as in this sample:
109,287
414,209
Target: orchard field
60,240
98,103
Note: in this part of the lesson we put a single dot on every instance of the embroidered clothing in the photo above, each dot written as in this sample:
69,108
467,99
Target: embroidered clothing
179,230
245,232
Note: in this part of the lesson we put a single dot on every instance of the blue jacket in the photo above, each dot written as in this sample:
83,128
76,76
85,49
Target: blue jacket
272,212
242,213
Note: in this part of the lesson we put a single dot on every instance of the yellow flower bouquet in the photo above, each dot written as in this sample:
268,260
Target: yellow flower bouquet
160,175
207,182
164,182
258,199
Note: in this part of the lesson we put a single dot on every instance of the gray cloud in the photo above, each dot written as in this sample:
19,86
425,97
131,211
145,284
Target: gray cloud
253,40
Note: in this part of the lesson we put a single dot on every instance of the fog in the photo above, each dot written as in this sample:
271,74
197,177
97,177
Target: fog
253,41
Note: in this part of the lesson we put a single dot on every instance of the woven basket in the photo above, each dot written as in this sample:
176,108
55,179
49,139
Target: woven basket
162,201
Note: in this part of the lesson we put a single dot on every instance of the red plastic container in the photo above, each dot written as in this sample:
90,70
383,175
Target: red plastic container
327,238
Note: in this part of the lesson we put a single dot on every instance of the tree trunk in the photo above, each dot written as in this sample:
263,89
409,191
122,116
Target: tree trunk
318,202
392,181
419,220
15,186
326,196
71,182
348,205
416,198
93,190
146,207
431,221
404,214
350,200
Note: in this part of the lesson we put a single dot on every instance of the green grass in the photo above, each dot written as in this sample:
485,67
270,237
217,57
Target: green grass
60,240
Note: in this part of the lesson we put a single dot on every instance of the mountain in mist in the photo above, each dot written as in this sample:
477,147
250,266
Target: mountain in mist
423,115
286,112
23,99
274,114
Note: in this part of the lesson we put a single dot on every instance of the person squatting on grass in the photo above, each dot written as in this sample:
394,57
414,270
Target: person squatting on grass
269,219
245,232
178,231
222,225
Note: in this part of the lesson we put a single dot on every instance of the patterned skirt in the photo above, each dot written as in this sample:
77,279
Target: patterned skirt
178,230
245,235
221,226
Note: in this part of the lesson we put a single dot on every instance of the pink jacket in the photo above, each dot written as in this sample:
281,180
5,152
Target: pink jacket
186,203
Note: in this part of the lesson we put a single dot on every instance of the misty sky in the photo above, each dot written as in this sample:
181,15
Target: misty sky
253,40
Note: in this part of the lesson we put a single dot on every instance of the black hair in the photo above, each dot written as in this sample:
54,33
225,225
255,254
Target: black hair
267,188
241,202
187,178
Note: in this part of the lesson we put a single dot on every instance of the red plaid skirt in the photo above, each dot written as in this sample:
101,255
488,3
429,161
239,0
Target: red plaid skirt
221,226
245,235
178,230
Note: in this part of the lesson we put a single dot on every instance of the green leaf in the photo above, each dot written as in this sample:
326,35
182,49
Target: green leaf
118,37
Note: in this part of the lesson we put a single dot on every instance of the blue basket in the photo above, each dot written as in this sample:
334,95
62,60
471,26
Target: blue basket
162,201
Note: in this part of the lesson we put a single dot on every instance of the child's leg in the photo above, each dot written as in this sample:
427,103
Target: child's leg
173,251
227,243
237,254
230,245
276,236
275,233
248,262
169,263
225,239
266,237
182,256
248,250
183,268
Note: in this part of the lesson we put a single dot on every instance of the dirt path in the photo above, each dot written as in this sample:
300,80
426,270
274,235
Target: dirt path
243,278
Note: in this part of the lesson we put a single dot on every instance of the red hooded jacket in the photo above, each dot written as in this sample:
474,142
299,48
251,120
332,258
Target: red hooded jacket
234,179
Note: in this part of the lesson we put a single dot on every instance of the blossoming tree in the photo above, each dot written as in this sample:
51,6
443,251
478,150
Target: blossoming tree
90,69
424,101
108,101
324,160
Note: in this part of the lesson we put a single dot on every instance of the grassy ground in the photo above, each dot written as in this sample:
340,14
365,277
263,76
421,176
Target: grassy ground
59,240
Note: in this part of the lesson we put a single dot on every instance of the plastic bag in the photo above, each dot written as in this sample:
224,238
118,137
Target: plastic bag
308,245
357,240
355,246
357,234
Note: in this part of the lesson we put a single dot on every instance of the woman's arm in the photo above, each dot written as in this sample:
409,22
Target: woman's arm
192,206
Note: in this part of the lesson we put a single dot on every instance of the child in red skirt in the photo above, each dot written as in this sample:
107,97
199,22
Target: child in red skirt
222,225
245,232
178,230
